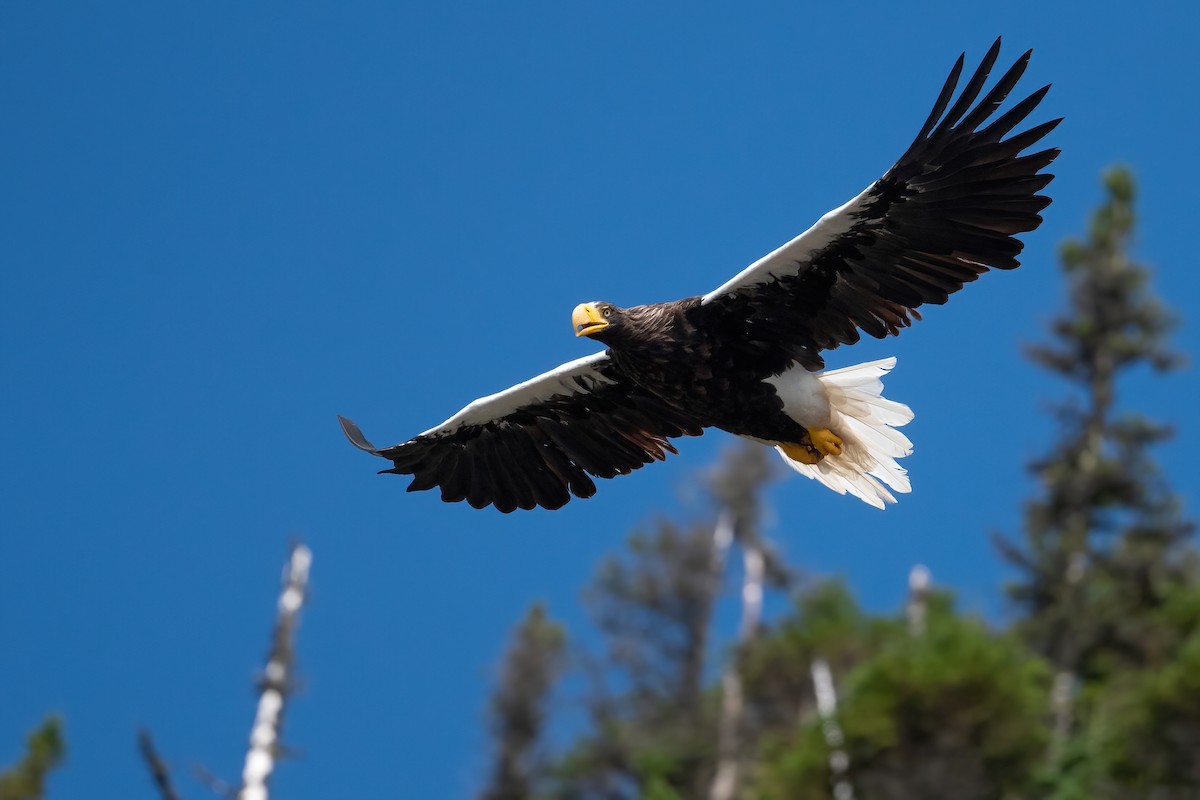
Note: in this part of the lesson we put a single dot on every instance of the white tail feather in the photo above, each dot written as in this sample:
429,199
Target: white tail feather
867,422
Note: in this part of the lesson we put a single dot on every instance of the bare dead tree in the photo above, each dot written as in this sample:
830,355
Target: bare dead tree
839,760
276,684
737,486
725,782
917,607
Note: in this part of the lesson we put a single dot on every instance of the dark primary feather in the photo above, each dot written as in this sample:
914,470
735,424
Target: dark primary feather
544,452
940,217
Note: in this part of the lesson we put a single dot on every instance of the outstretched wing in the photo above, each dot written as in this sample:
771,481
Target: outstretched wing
946,212
537,443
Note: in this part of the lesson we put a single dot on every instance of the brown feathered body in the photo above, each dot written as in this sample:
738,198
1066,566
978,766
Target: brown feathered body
678,352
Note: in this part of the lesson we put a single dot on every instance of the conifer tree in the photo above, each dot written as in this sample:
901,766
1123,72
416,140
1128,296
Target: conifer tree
652,723
931,703
534,661
1104,542
655,722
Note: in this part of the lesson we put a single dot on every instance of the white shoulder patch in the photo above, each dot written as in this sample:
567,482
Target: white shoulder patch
562,380
788,259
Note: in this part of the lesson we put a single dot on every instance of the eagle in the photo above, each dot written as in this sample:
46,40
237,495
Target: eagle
747,356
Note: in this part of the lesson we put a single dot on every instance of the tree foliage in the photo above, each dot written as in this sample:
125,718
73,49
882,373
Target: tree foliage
1107,602
957,711
519,705
1107,563
45,750
1092,692
1105,511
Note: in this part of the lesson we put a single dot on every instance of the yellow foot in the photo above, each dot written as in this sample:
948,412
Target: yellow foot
804,453
826,441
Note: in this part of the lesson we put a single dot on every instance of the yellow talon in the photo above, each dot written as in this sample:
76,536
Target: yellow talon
805,454
826,442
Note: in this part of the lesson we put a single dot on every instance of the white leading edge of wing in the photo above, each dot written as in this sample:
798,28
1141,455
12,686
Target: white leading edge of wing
788,260
560,380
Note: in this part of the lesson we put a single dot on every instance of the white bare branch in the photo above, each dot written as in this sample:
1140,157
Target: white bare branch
919,581
725,782
276,684
839,760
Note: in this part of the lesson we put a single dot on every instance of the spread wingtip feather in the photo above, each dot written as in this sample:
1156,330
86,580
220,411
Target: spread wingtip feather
355,435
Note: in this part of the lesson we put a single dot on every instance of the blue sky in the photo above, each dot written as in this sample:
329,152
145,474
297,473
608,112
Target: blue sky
225,223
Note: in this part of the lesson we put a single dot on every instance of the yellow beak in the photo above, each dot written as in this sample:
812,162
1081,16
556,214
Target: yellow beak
587,319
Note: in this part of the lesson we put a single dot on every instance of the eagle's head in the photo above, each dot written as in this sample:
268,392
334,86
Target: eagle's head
617,327
600,321
610,324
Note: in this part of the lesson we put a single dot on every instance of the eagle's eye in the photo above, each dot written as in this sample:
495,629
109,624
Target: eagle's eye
607,312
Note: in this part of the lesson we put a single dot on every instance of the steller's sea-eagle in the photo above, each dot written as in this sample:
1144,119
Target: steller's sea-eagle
746,357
